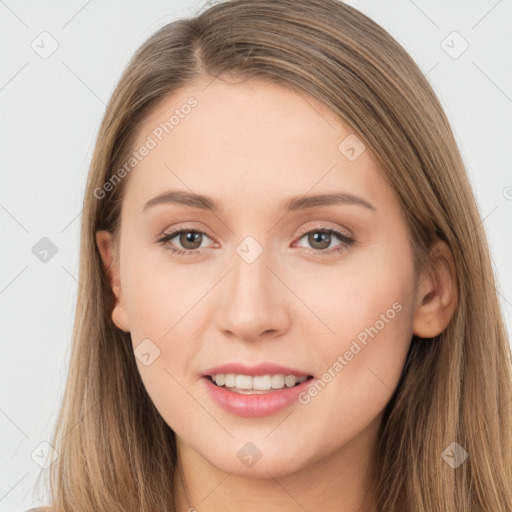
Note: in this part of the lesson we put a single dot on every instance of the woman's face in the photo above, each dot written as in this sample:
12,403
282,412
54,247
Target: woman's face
259,278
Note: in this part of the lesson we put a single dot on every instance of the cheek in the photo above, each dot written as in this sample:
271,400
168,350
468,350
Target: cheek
159,302
361,295
162,321
368,306
158,293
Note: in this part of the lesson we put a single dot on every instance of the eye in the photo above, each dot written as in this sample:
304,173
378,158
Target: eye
320,239
190,240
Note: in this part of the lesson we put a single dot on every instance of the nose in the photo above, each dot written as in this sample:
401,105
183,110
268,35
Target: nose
254,302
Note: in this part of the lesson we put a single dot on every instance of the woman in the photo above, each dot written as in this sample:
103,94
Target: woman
286,292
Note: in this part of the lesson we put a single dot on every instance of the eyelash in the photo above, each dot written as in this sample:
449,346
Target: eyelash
346,241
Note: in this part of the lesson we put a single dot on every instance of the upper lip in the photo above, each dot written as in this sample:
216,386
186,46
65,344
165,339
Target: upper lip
258,370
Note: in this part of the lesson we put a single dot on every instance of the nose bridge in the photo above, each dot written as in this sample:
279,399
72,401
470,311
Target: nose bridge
254,301
251,276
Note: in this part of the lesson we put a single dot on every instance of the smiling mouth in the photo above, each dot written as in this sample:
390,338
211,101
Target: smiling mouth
257,385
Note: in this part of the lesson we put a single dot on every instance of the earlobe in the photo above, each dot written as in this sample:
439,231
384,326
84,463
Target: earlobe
437,295
111,267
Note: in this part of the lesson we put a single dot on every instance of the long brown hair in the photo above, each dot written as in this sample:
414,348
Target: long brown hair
116,453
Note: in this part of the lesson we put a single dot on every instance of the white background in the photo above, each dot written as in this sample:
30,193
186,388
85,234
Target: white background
50,110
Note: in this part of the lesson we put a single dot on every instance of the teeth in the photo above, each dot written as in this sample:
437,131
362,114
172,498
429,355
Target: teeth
247,383
278,381
229,380
290,380
262,383
243,382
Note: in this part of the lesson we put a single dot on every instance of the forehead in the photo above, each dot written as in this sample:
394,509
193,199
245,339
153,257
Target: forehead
247,142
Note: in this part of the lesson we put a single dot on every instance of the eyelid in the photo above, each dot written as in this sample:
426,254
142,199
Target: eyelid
303,231
322,227
183,227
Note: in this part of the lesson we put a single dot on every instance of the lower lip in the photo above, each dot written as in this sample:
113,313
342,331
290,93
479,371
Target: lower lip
257,405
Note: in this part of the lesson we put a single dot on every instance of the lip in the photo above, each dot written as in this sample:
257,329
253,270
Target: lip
254,371
257,405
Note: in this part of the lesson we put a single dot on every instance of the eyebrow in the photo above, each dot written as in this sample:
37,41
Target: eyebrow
294,204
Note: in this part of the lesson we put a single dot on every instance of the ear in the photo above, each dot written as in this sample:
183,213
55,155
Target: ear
110,260
437,295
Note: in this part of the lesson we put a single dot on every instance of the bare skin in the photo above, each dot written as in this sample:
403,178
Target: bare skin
251,147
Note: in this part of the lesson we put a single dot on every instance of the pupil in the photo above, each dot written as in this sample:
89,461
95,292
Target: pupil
319,237
190,237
